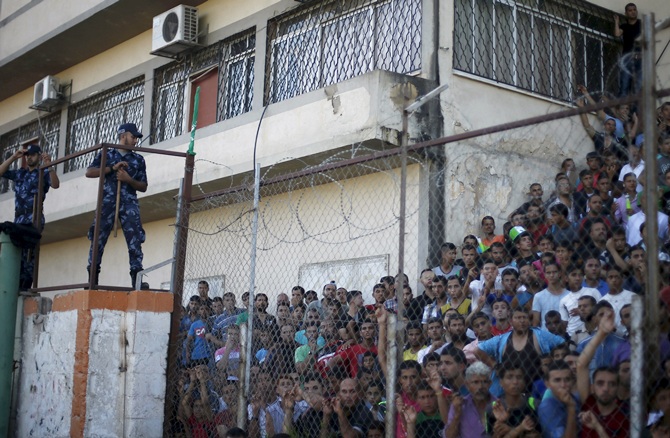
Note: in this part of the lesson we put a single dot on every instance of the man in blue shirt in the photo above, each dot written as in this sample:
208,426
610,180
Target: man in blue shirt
124,169
26,187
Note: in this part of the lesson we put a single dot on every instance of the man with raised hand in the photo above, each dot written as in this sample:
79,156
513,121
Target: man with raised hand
351,417
26,188
602,414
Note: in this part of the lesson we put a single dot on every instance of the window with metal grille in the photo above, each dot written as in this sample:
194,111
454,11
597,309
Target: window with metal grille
233,57
96,119
543,46
333,41
43,131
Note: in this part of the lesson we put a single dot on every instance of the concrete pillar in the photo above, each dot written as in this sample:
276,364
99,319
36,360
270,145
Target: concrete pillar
95,365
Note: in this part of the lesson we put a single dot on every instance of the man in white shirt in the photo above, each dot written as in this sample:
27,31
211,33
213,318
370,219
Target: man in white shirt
549,298
633,235
636,163
569,304
617,296
480,289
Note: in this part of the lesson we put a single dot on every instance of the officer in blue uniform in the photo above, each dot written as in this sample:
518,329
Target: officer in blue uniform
26,184
128,167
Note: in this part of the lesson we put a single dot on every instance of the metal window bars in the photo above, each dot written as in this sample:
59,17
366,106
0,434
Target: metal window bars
233,57
546,47
96,119
333,41
45,132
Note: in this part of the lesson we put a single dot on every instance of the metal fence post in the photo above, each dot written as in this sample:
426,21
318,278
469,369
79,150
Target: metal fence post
651,182
252,285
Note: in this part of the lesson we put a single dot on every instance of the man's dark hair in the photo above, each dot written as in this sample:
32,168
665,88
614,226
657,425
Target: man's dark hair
456,354
558,365
618,231
560,209
447,246
434,320
585,172
353,294
605,369
409,365
552,314
480,315
217,300
591,299
423,386
310,377
387,279
488,218
510,365
600,304
496,301
236,432
574,267
441,279
431,357
203,282
298,289
510,271
457,317
497,245
468,247
413,325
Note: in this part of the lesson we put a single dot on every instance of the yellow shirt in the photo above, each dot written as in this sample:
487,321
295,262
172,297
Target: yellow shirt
463,309
408,355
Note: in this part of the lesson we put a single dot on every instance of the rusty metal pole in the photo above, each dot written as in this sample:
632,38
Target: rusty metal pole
651,182
37,223
93,274
177,284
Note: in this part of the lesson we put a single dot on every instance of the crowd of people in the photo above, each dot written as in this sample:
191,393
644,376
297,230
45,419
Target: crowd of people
525,334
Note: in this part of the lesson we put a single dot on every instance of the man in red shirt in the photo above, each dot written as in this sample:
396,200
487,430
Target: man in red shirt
351,356
602,412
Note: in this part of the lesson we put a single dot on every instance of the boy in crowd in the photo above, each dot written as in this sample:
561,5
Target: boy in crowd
558,412
514,413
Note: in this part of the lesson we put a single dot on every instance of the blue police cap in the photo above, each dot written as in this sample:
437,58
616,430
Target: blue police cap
129,127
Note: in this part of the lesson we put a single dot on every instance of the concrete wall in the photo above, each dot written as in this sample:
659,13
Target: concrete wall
490,175
95,365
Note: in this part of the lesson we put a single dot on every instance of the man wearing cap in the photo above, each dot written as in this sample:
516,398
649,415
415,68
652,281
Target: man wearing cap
26,186
125,169
524,245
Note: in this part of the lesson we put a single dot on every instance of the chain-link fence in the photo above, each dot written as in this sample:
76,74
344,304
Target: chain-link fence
522,269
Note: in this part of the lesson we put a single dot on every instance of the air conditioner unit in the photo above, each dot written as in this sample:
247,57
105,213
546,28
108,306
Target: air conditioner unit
46,93
175,31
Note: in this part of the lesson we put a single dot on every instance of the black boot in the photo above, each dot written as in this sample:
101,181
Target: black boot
97,277
133,277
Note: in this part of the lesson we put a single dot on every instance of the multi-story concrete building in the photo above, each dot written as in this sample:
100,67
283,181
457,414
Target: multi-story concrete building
299,82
